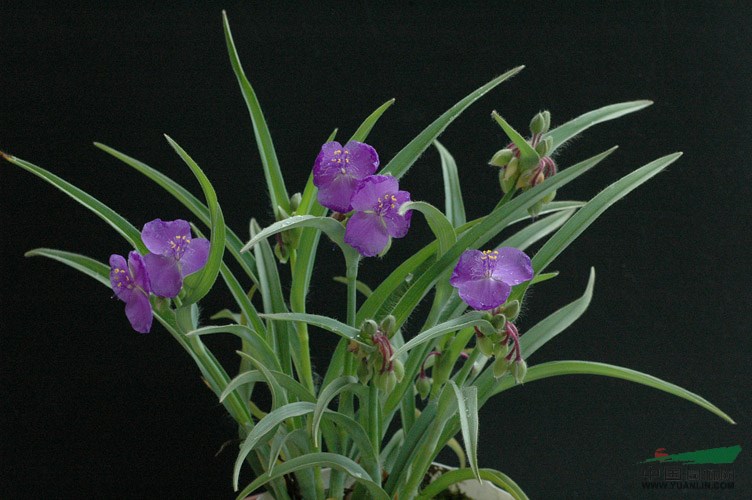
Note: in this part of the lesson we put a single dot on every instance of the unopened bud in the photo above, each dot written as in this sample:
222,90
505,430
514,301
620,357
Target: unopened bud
485,345
535,210
282,213
389,326
498,322
511,309
544,147
423,386
549,197
281,252
295,202
369,328
519,370
399,369
501,350
538,124
546,121
501,158
500,366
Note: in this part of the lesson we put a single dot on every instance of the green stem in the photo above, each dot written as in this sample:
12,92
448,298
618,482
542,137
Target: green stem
297,303
374,432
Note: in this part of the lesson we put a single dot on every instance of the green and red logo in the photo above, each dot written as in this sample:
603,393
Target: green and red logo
725,455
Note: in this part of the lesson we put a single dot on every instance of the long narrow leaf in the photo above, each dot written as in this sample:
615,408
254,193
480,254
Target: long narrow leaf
260,347
454,206
528,155
557,368
437,221
325,322
199,283
467,402
447,479
365,127
115,220
82,263
327,394
563,133
402,161
272,172
475,318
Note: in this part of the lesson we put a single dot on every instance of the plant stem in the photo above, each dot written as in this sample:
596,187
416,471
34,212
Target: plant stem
297,304
374,431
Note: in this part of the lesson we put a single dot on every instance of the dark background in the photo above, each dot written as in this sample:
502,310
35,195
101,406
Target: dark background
90,409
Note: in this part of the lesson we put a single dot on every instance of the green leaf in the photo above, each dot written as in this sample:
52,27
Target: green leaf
86,265
272,172
536,231
438,222
557,322
458,475
289,384
557,368
563,133
115,220
364,289
331,460
467,401
199,283
594,208
540,278
260,347
365,127
332,325
453,203
325,397
197,208
474,318
402,161
264,427
528,156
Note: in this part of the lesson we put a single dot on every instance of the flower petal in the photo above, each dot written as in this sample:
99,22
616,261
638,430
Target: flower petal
484,294
195,256
326,167
372,188
398,225
470,267
336,194
120,277
363,159
512,266
160,236
164,275
138,271
366,233
138,311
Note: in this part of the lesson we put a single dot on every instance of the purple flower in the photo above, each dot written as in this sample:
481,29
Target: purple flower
174,254
338,170
484,279
376,221
130,282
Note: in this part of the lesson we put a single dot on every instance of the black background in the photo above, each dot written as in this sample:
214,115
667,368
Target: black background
90,408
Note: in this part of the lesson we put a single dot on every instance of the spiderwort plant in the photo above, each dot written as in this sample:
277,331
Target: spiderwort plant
429,378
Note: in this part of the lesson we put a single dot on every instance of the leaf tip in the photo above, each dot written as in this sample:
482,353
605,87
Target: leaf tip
7,156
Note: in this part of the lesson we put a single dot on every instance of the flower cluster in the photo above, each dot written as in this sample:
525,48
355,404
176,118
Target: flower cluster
346,181
174,255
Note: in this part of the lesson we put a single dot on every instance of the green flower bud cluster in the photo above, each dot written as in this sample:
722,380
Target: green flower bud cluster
376,364
287,241
511,174
503,345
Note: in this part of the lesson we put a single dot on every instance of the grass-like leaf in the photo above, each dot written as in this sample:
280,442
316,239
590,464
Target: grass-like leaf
325,322
454,206
286,382
528,155
87,265
115,220
474,318
364,289
199,283
447,479
325,397
568,130
272,172
467,402
365,128
404,159
437,221
261,348
558,368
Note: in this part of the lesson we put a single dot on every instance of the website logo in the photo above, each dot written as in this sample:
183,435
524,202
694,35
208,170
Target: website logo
690,470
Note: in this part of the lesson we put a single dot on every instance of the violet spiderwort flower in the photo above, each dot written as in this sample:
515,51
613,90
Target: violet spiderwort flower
174,254
338,170
130,282
484,279
376,220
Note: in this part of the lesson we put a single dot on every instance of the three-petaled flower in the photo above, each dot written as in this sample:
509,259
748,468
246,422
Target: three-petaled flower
376,221
175,254
130,282
338,170
484,279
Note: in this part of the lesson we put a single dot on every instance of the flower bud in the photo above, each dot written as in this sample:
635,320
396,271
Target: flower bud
545,146
423,386
399,369
511,309
536,209
485,345
498,322
546,121
519,370
388,326
500,366
538,123
501,158
295,202
281,252
369,328
501,349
